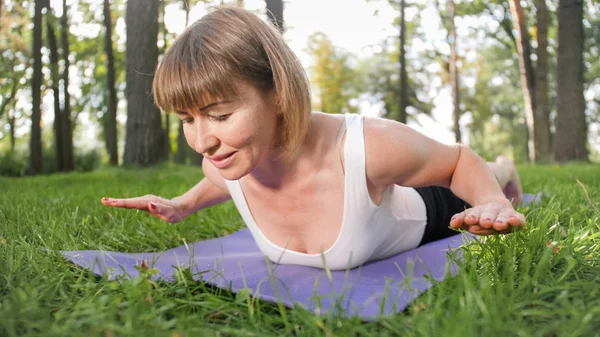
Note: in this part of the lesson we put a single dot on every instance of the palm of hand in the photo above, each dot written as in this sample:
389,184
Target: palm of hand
158,207
488,219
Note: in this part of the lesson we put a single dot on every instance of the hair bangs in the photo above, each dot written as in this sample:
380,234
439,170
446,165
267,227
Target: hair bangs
191,78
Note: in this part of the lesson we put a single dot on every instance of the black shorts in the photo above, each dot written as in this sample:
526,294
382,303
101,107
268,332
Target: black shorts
441,205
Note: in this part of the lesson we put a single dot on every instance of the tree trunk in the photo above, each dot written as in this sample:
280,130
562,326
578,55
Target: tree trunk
143,138
67,124
7,100
58,115
110,126
35,142
454,80
402,115
570,138
11,126
181,145
275,13
163,29
543,149
526,70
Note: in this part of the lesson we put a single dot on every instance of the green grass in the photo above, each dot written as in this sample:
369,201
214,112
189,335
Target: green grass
543,281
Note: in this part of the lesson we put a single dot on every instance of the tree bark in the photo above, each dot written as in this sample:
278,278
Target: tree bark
110,126
181,145
143,138
570,141
167,117
35,142
543,149
454,80
7,100
11,126
275,13
403,99
58,115
67,124
526,70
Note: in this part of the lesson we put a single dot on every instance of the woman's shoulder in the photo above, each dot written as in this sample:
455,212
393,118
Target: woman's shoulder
323,118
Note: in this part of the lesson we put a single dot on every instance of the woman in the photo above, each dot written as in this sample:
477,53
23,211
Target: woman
313,188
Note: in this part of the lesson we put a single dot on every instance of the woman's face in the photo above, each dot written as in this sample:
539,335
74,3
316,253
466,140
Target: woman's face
234,135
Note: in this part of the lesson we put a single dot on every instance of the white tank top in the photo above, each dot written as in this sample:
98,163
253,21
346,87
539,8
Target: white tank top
368,232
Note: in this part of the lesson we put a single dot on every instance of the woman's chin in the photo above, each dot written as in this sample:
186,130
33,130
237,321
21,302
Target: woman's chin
232,173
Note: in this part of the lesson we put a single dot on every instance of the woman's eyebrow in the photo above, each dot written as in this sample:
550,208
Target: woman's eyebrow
184,113
213,104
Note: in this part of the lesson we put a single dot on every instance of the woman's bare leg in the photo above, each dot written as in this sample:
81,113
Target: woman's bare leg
505,171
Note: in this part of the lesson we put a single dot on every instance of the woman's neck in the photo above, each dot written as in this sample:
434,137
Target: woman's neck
276,172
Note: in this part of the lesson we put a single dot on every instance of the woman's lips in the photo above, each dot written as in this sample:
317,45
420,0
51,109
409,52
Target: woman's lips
221,162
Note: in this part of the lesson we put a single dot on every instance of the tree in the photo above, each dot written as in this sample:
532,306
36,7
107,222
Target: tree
403,102
571,126
110,126
332,75
182,147
15,46
59,136
67,123
537,120
448,21
542,135
497,125
385,75
454,79
275,13
144,131
35,142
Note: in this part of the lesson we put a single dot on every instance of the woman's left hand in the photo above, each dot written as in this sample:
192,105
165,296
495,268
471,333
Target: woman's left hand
489,219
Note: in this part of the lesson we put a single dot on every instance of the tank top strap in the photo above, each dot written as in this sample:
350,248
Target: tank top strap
355,162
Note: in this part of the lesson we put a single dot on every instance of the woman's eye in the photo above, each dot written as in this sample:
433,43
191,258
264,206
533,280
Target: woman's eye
188,120
220,118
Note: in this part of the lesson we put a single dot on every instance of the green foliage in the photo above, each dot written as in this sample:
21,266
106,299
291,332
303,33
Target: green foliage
592,60
14,52
334,80
543,280
496,106
14,163
381,80
381,71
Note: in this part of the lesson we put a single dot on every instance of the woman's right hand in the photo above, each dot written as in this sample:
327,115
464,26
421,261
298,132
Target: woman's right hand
164,209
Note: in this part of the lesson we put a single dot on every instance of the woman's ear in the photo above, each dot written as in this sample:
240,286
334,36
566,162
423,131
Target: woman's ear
273,99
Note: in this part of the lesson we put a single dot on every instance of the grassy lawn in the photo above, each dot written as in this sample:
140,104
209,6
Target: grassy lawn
543,281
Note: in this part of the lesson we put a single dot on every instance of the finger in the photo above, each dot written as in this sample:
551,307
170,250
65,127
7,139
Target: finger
501,222
517,219
154,208
486,220
472,216
481,231
137,203
458,220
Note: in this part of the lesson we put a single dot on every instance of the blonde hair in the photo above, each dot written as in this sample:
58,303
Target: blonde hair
228,45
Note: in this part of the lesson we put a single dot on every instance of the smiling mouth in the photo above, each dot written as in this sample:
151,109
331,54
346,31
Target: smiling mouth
223,161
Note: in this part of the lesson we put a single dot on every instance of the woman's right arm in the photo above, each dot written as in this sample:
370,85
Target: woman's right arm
211,190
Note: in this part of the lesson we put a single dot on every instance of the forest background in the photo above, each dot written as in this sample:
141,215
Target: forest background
519,78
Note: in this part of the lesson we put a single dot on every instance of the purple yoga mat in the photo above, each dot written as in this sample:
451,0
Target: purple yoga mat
234,262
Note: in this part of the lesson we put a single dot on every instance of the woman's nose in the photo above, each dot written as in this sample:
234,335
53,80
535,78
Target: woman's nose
205,139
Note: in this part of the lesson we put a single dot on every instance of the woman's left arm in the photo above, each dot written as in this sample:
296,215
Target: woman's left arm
397,154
